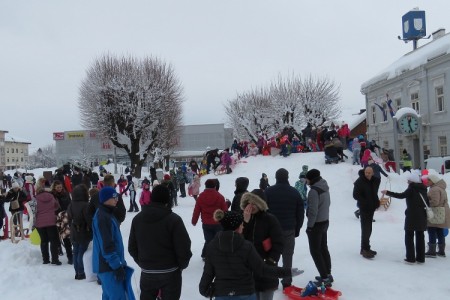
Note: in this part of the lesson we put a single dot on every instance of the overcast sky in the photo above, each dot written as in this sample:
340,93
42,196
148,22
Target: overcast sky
217,48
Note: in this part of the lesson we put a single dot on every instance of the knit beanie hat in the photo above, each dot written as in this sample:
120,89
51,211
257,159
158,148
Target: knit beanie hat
282,175
313,174
166,177
230,220
161,194
414,177
433,177
107,193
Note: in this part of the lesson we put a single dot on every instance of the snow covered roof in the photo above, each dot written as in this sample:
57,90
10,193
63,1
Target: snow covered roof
420,56
14,139
356,120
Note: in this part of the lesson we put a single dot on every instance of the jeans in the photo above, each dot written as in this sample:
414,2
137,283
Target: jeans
356,153
169,284
288,253
209,232
245,297
366,218
78,251
417,252
318,247
435,232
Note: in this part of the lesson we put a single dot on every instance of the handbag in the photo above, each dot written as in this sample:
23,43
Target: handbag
430,214
267,244
439,215
15,203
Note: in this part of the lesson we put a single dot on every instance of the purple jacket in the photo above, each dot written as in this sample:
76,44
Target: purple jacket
225,159
46,209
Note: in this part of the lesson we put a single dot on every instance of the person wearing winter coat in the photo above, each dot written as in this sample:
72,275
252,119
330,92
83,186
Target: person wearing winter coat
181,179
159,243
415,217
231,262
225,160
263,230
46,208
365,193
367,155
286,204
241,184
207,203
62,220
300,184
437,196
194,187
108,257
122,183
194,167
131,187
80,221
356,149
344,135
407,161
76,178
16,193
146,195
318,214
264,182
168,182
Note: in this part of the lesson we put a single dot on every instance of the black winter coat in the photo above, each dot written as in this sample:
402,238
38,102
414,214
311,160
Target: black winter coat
63,200
158,239
286,204
80,220
415,214
230,263
119,211
366,193
13,195
261,226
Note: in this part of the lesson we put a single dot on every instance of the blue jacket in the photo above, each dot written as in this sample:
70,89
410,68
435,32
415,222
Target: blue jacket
108,251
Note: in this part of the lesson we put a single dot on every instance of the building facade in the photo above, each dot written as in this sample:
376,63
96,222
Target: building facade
2,150
86,146
16,153
420,80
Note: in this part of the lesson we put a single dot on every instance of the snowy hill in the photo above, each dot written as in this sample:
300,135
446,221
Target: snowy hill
386,277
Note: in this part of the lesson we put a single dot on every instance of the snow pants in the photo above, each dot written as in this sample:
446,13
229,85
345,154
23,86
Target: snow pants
318,247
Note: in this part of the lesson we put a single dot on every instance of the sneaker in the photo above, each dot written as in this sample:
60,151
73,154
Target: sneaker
367,254
56,263
136,210
410,261
45,262
326,282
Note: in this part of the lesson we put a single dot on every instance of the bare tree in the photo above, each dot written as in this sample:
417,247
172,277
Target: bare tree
130,101
287,102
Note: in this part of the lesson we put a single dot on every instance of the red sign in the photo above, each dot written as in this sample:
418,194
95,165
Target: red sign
58,136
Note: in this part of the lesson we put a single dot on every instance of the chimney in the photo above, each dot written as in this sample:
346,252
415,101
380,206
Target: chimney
438,33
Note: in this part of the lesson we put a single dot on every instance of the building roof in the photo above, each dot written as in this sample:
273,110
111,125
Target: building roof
15,139
414,59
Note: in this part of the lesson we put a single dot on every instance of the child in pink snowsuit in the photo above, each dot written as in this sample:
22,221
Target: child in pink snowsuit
146,195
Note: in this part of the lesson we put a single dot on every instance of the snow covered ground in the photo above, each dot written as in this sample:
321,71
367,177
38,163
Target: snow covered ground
23,276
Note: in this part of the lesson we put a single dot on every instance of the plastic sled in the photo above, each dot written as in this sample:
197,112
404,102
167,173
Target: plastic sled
293,292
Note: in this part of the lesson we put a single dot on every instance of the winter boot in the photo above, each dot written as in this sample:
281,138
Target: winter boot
367,254
441,251
431,250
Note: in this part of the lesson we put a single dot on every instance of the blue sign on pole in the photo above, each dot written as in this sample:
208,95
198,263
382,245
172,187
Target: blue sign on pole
413,24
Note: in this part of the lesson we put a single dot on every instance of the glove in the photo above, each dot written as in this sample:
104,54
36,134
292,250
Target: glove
119,273
296,272
309,229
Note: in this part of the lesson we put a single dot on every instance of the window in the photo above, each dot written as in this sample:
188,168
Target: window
21,150
7,150
400,148
415,102
21,159
439,98
374,115
7,160
17,150
442,145
398,103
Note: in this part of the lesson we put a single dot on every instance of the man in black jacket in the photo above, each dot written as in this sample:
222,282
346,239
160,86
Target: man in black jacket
159,243
286,204
365,192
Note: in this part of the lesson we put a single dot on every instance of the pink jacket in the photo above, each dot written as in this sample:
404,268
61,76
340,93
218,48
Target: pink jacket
146,197
46,209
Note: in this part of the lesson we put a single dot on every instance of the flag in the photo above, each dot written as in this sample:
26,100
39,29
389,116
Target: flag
383,111
389,104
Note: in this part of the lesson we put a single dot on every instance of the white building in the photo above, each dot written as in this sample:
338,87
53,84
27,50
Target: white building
16,153
420,80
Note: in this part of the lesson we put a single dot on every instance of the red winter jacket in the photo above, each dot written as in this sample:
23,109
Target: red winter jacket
207,203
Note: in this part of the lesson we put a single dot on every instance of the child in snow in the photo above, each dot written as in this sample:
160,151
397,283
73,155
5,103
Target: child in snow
146,195
194,187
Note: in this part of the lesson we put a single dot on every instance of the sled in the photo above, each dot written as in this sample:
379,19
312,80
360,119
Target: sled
5,229
16,230
30,220
385,201
293,292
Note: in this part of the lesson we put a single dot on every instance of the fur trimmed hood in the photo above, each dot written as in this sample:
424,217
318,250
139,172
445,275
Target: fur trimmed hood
254,199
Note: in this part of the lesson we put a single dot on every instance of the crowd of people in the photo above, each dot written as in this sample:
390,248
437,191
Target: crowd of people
245,240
